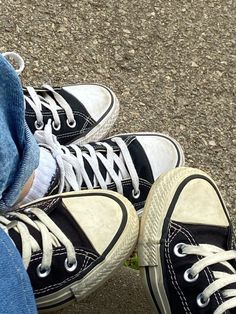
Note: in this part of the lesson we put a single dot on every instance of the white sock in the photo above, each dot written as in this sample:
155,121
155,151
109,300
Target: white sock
43,176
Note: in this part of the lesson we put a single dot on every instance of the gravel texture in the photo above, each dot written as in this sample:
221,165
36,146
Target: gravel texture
123,293
171,64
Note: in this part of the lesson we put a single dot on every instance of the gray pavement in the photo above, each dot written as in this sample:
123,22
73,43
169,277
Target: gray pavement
172,65
122,293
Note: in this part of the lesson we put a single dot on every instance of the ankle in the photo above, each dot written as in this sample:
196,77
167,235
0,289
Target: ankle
26,188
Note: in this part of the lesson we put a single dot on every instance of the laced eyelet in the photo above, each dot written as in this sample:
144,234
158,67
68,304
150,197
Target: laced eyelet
69,267
201,302
38,125
178,250
71,124
56,127
27,210
135,195
188,276
44,273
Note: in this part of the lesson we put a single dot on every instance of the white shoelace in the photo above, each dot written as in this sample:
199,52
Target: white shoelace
37,102
72,166
51,235
213,255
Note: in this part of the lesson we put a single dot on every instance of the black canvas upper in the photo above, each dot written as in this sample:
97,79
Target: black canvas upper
86,255
141,164
181,294
66,134
85,252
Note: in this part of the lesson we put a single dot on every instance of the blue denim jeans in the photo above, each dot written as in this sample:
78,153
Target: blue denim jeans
19,152
19,156
16,295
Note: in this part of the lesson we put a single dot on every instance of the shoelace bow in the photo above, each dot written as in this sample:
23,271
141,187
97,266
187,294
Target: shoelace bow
72,166
213,255
51,235
37,102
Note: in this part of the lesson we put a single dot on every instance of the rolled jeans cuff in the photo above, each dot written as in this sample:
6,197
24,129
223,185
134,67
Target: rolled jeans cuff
29,161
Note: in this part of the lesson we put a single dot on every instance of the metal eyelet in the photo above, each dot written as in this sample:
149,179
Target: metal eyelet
39,125
135,195
27,210
69,267
56,127
188,276
44,273
71,124
201,302
178,250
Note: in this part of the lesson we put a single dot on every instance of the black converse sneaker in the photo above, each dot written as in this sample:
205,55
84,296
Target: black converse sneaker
127,163
79,113
186,250
71,243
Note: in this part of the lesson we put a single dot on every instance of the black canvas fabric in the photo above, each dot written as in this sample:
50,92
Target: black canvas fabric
66,134
137,153
141,164
181,294
85,253
54,184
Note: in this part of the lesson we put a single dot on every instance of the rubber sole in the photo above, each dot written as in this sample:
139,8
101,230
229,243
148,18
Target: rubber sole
155,211
120,251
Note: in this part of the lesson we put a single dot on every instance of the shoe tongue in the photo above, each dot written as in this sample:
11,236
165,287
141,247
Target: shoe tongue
87,164
28,108
61,217
137,154
213,235
16,238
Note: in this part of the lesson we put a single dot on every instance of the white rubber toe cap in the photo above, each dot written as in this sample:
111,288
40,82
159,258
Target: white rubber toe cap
99,216
163,152
96,99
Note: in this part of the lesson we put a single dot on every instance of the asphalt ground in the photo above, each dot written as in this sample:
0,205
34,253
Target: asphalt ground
171,63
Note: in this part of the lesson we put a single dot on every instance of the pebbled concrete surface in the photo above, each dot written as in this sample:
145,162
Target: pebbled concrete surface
123,293
172,65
